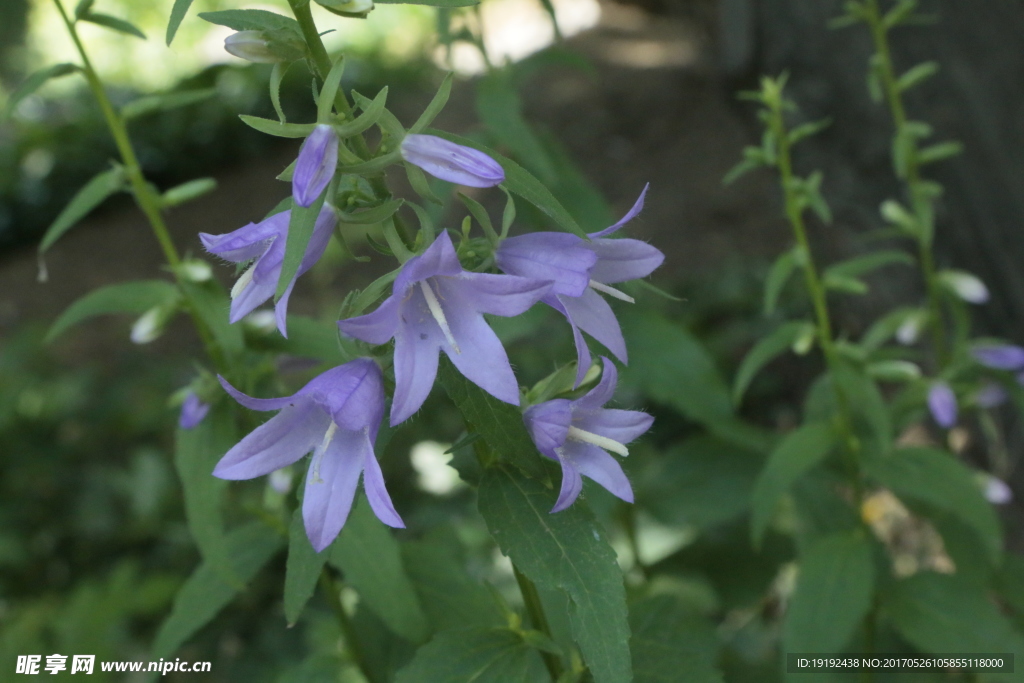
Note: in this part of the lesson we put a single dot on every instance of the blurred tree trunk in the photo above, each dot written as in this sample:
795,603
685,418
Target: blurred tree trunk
977,98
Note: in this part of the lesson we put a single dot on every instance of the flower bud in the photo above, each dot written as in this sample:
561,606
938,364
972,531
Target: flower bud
195,270
965,285
942,404
999,356
452,162
317,162
193,411
151,324
996,490
347,8
251,46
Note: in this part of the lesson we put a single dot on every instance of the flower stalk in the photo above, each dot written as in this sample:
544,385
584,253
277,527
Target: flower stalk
539,621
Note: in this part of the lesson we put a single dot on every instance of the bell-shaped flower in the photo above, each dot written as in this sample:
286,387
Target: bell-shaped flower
452,162
578,435
580,270
265,242
193,410
336,415
999,356
437,306
942,404
317,162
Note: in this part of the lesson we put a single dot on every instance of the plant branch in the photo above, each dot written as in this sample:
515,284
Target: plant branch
534,607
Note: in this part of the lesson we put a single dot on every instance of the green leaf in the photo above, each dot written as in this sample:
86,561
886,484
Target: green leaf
480,214
114,23
941,613
935,478
943,150
764,352
125,297
205,593
373,110
302,570
325,104
165,102
566,552
277,73
521,182
499,423
432,3
178,13
500,110
252,20
101,187
83,7
276,128
917,74
861,265
833,594
420,184
196,452
372,563
187,192
848,285
437,103
806,130
477,655
310,338
798,452
672,644
300,231
211,302
372,215
783,268
36,81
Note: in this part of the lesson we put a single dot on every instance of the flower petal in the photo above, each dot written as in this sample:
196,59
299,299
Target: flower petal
315,166
353,393
605,389
376,327
583,359
504,295
482,358
548,425
416,347
572,484
999,356
638,206
942,404
257,403
249,241
619,425
331,483
252,296
377,494
280,441
438,259
598,465
620,260
563,258
192,411
593,315
452,162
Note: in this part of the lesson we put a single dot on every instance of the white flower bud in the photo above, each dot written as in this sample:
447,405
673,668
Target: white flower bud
251,46
195,270
151,324
965,285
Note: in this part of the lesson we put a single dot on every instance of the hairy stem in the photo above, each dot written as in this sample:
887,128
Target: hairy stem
534,607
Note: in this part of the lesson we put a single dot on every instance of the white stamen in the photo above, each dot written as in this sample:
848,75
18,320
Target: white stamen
577,434
243,281
323,449
435,310
611,291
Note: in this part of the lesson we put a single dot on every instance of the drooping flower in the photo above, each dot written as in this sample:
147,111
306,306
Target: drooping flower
336,415
578,435
580,269
193,410
942,404
315,166
265,242
999,356
437,306
452,162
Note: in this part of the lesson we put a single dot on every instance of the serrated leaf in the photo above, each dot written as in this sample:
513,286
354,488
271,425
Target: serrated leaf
371,561
36,81
102,186
435,106
783,268
126,297
276,128
480,655
833,593
764,352
114,24
300,231
672,644
798,452
178,13
165,102
937,479
521,182
205,593
252,20
565,552
302,570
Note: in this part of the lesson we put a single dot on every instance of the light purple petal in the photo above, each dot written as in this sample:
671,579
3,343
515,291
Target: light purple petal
621,260
377,494
638,206
942,404
257,403
991,395
1000,356
438,259
249,241
572,484
281,309
416,347
318,241
280,441
331,483
452,162
315,166
593,315
504,295
353,393
560,257
605,389
252,296
376,327
619,425
594,463
482,358
192,411
583,359
548,425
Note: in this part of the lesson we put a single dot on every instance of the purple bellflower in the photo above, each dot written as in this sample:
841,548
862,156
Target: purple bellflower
318,159
265,242
437,306
193,411
580,269
452,162
336,415
942,404
578,435
999,356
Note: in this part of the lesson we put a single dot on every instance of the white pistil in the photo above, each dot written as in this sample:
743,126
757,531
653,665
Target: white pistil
323,449
611,291
577,434
243,281
435,310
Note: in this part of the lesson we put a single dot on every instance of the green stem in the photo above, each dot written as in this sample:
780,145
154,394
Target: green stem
144,194
534,607
333,594
920,204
